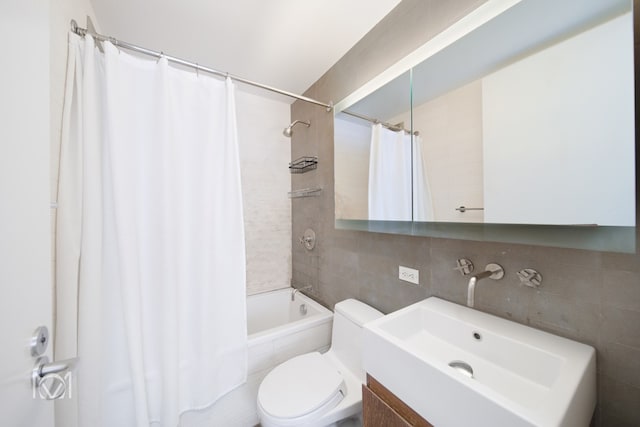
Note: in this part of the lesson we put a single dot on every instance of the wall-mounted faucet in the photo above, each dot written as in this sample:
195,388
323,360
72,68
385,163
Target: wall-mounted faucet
492,271
294,291
527,276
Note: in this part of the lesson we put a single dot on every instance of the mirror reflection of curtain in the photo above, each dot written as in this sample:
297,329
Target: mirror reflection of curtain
422,201
389,175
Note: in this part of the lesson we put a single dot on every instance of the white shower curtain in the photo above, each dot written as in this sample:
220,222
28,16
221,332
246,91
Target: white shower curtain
422,200
398,184
150,239
389,175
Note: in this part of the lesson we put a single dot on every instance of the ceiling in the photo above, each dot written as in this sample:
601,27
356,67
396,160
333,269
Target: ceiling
288,44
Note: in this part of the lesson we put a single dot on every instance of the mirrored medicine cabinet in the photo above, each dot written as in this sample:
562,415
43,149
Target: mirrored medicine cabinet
516,124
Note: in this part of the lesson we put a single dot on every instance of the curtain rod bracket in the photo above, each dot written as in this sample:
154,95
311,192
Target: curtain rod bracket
330,107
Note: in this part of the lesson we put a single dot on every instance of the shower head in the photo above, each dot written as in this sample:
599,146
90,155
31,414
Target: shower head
288,131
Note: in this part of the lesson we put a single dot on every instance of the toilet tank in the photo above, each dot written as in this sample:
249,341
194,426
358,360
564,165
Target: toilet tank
346,337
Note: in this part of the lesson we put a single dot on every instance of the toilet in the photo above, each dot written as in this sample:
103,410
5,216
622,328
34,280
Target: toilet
319,390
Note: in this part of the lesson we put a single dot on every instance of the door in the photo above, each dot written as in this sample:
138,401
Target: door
25,235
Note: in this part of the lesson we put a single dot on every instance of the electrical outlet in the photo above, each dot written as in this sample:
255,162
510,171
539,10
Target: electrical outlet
409,275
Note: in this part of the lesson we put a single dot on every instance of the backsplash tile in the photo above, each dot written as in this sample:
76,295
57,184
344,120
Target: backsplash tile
621,289
618,403
621,326
621,363
566,317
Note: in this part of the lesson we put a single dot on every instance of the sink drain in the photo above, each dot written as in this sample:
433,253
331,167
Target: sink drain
462,367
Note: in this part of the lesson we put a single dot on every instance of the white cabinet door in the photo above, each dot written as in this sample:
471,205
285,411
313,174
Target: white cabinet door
25,236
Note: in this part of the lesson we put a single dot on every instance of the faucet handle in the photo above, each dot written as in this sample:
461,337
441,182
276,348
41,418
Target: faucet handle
464,266
308,239
530,277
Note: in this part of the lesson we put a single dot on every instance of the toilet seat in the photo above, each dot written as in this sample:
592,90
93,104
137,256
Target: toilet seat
300,390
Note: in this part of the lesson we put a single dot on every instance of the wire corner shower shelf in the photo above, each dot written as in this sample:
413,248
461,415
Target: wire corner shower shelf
305,192
303,164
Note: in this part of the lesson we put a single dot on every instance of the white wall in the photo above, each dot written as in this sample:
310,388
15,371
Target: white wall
581,172
264,162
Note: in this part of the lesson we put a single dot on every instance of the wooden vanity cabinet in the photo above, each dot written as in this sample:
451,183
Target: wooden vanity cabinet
381,408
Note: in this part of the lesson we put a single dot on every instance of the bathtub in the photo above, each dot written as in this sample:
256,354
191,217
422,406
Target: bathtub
278,330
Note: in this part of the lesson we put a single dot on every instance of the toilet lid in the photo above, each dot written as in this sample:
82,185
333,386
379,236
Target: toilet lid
299,386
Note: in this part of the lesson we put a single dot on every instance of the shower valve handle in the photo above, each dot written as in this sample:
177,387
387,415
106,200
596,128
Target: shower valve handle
308,239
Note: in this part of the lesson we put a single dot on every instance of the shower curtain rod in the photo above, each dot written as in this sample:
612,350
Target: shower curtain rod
394,128
125,45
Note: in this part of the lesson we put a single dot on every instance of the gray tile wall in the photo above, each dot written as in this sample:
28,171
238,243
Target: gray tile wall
592,297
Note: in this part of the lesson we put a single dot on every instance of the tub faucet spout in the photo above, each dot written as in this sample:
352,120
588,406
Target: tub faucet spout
294,291
492,271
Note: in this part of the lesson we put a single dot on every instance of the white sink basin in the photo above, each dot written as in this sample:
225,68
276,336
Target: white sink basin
521,376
